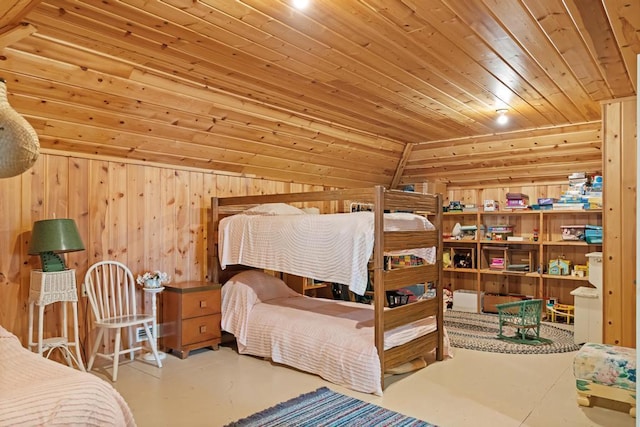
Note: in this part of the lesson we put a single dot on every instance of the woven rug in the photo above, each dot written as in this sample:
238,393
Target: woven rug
324,407
479,332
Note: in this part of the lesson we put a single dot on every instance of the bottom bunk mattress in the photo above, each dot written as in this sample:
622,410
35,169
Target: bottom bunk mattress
331,338
37,391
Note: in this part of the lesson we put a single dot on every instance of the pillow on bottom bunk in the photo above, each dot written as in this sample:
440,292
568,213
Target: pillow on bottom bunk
242,292
260,285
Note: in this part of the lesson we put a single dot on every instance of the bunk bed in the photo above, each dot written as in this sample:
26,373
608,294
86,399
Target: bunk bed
387,236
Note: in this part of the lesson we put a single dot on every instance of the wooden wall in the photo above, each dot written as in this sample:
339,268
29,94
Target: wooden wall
620,221
148,217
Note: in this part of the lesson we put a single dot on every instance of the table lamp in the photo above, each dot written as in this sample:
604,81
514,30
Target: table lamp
50,238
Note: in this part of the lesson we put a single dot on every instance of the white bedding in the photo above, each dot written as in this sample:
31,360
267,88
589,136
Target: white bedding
331,247
36,391
330,338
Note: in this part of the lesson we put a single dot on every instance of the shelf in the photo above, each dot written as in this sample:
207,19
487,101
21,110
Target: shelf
509,242
316,285
460,270
459,241
509,273
570,212
514,212
572,278
460,213
570,243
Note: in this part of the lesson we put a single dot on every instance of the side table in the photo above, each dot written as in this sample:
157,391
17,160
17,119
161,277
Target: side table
191,317
154,330
48,288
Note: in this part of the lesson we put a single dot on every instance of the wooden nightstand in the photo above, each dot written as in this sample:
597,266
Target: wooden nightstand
191,317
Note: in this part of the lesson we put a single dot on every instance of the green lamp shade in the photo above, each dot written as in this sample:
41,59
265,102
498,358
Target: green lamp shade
51,237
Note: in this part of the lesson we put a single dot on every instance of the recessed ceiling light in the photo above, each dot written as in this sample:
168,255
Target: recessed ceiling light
300,4
502,119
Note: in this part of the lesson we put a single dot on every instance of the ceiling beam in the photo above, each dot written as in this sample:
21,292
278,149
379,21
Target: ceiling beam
401,165
11,35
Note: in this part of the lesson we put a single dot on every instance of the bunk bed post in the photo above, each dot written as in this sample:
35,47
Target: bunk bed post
378,276
440,284
213,266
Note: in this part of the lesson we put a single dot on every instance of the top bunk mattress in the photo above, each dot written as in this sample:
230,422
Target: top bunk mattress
329,247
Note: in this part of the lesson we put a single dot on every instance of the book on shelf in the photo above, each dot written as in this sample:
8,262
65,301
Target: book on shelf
518,267
568,206
517,196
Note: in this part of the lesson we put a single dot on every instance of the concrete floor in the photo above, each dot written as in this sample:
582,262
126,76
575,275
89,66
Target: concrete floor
212,388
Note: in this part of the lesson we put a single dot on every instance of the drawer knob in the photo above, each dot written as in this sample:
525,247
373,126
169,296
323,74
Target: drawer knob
203,304
203,329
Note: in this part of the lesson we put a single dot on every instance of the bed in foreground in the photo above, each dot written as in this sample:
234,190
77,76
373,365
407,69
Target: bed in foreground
322,256
38,391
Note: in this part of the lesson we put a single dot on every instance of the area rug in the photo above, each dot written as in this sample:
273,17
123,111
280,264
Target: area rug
324,407
479,332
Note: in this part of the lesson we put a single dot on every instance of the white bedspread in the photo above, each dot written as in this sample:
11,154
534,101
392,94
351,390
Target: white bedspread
36,391
333,247
330,338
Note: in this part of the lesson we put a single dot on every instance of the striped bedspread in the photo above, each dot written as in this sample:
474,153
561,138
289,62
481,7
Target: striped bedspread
332,247
36,391
331,338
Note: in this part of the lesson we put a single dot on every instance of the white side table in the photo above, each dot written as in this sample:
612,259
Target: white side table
48,288
155,331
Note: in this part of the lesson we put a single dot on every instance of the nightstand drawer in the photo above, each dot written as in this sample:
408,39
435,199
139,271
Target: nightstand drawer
196,304
191,313
199,329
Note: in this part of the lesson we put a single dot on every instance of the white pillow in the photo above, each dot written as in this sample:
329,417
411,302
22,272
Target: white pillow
262,285
274,209
312,211
241,293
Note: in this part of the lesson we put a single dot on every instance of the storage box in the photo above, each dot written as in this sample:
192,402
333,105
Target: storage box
490,206
573,232
466,300
546,201
490,300
499,232
593,234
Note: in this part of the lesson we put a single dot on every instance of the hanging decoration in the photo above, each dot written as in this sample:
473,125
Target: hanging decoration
19,146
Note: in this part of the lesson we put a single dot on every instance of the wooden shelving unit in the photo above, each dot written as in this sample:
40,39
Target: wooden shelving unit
307,286
527,224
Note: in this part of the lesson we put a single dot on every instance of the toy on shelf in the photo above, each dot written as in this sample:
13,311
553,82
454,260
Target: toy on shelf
490,206
455,206
559,267
580,270
499,232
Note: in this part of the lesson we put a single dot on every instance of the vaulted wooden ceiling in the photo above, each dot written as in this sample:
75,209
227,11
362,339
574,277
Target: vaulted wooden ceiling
343,93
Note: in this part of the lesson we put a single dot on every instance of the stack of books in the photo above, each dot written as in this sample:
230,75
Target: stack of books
497,264
517,201
583,193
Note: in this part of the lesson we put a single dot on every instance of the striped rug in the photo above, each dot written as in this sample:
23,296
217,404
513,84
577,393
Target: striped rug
324,407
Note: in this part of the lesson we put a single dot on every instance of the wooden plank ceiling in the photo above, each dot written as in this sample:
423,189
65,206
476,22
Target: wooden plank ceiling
343,93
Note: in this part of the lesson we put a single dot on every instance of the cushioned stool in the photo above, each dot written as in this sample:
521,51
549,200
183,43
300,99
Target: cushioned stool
606,371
